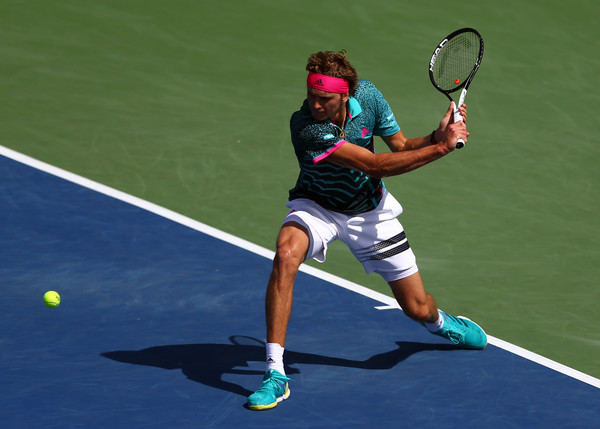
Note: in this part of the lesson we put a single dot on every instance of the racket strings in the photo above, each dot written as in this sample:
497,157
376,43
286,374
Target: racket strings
456,60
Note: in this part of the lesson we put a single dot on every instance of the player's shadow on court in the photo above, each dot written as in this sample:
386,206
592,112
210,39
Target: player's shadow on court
206,363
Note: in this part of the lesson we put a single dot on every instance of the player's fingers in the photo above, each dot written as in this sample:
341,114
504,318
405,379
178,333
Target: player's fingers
450,111
463,111
459,130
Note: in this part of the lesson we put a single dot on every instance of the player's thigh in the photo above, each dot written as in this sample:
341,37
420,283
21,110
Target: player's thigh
318,225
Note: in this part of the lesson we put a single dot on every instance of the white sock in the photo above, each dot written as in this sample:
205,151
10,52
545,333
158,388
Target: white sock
435,326
275,357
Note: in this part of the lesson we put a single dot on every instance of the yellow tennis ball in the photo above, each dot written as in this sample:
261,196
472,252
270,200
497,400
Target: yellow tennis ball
51,299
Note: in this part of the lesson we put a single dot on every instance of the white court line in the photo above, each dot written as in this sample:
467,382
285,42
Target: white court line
388,302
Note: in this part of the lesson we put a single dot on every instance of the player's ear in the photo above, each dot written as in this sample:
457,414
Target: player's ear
345,97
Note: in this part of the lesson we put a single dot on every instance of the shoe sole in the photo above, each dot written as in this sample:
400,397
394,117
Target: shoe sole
272,405
486,338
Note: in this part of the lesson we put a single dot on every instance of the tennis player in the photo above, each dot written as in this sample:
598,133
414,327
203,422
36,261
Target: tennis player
339,195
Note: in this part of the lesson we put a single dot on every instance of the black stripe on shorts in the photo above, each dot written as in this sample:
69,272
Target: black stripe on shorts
391,252
397,239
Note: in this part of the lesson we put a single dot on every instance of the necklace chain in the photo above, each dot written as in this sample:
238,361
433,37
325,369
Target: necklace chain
343,131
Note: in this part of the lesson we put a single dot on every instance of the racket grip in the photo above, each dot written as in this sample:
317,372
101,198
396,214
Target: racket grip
458,117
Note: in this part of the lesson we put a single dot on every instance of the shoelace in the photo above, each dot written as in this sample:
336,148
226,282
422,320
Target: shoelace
458,329
274,382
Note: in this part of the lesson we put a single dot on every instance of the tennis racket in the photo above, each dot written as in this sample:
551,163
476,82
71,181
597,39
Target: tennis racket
453,65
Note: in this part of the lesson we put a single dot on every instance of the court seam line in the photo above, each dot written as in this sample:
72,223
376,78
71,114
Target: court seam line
388,301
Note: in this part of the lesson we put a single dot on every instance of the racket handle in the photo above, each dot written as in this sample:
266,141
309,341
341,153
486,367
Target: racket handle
458,117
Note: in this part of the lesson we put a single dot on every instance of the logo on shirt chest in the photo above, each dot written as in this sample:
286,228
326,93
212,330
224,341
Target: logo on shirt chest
365,133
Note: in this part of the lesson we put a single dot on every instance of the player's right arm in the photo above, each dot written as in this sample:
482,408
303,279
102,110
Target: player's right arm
386,164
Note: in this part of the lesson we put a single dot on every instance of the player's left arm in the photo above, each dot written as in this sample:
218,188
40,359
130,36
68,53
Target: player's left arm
399,142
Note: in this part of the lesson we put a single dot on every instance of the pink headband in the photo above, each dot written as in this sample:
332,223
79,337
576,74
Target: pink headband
327,83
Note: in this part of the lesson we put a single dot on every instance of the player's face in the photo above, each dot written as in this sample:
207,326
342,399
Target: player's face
326,105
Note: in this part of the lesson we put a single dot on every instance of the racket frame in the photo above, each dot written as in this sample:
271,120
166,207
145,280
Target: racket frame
465,84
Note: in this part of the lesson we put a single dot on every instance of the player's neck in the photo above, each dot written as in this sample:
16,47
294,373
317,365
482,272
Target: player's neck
340,118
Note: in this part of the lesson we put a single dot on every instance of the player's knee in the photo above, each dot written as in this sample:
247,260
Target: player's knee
292,247
288,257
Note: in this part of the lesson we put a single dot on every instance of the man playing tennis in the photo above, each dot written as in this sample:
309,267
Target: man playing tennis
339,194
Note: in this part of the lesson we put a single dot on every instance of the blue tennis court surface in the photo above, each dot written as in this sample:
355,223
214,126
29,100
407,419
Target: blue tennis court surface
161,326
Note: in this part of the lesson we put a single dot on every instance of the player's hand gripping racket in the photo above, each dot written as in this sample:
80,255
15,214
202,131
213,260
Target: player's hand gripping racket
454,64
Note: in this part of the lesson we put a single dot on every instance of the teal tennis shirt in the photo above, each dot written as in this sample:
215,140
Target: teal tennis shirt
333,187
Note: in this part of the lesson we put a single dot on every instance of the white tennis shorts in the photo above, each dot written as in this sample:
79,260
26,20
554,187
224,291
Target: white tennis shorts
376,238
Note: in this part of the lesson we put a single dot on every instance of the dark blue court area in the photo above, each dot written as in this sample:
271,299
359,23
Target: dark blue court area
162,326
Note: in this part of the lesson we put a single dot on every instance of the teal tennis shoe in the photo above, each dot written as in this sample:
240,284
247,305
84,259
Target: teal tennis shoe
462,332
273,390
